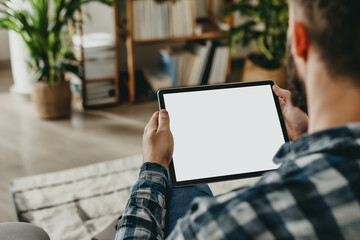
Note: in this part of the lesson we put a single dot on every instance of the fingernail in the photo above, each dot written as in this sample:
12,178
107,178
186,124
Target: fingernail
164,111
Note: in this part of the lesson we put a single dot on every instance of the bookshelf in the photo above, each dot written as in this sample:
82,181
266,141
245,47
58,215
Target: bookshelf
207,35
98,74
126,32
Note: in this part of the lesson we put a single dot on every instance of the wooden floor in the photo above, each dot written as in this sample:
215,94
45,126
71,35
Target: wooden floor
30,146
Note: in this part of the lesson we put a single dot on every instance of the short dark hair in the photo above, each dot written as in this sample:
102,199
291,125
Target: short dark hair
333,27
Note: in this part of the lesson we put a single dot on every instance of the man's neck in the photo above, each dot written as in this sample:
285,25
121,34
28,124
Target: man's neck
333,100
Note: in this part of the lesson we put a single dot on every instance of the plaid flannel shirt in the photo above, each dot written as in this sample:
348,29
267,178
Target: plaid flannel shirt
314,194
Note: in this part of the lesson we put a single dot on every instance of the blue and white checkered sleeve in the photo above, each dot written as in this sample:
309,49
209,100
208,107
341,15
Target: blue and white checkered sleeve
144,216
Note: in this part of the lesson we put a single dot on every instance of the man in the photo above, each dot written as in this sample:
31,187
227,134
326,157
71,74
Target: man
315,193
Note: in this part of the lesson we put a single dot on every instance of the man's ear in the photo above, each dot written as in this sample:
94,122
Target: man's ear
301,40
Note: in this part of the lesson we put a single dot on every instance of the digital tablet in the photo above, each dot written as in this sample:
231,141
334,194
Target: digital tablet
223,132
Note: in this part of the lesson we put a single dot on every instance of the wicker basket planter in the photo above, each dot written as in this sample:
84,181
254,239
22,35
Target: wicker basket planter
253,72
52,100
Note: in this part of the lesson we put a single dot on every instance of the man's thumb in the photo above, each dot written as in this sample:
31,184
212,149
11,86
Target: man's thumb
164,120
282,93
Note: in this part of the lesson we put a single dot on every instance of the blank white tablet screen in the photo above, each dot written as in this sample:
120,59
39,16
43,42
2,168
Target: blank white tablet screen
223,132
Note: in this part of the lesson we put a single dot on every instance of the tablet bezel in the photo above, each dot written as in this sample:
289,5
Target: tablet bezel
161,93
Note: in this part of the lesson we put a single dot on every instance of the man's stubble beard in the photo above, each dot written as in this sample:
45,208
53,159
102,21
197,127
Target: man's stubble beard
296,84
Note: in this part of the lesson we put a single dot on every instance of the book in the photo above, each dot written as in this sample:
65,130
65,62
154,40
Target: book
94,41
196,63
191,81
91,85
107,100
157,79
95,69
190,63
102,89
104,54
202,50
94,91
110,93
186,64
219,65
180,68
168,64
137,29
96,45
163,19
208,64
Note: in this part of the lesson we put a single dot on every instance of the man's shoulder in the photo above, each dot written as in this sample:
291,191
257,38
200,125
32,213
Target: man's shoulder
324,167
305,193
313,196
313,174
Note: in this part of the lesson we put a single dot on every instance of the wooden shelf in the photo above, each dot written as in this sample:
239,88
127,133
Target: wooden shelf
91,80
206,35
95,70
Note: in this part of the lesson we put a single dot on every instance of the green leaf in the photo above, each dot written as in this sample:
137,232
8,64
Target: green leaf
46,37
272,14
69,55
263,49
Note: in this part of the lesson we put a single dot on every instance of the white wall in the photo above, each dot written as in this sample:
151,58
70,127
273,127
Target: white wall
4,45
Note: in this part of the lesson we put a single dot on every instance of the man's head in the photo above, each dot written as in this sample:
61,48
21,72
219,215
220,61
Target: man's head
329,29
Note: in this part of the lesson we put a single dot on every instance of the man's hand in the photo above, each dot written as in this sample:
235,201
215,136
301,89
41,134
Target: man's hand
158,142
295,119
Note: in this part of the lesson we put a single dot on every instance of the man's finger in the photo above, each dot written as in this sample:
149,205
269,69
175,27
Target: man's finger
164,121
282,93
282,103
153,122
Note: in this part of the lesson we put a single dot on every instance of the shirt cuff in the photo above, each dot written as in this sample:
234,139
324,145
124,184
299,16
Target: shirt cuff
149,166
154,176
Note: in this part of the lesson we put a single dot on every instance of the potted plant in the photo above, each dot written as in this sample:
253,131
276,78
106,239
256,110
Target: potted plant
266,23
46,37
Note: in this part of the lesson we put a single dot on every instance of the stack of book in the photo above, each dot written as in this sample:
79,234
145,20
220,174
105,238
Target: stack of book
100,92
198,63
95,46
99,67
156,20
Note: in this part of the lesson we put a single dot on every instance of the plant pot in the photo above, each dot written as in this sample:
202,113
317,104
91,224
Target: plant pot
52,100
253,72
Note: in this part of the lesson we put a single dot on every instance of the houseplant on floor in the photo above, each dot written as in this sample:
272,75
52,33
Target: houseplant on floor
46,36
266,23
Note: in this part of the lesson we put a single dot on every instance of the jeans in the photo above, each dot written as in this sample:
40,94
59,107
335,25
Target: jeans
178,200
